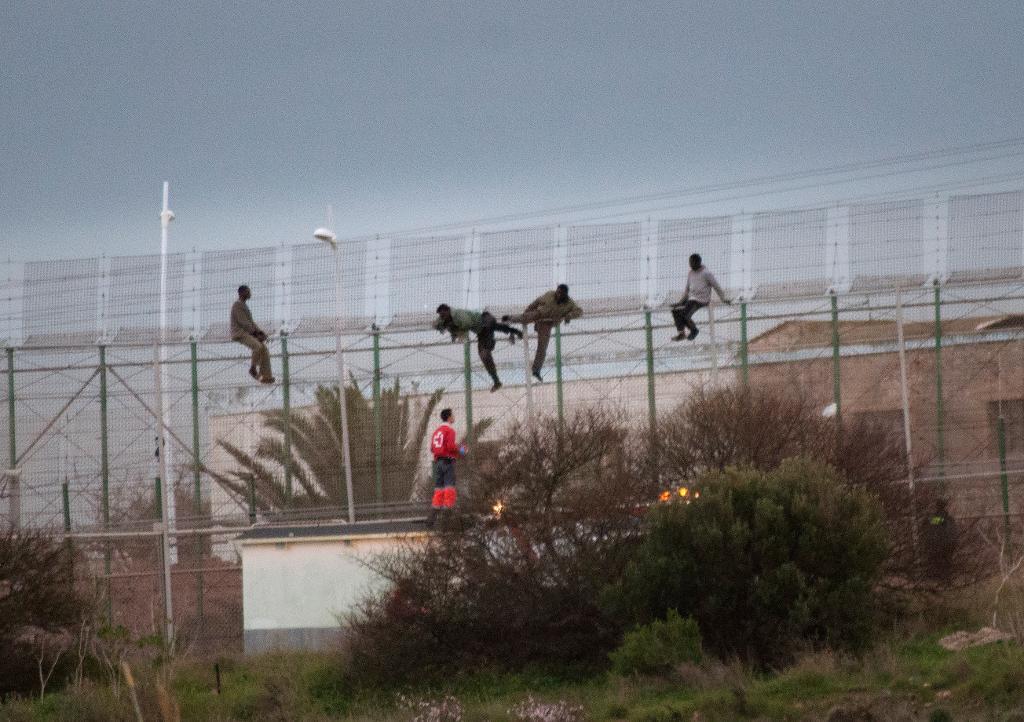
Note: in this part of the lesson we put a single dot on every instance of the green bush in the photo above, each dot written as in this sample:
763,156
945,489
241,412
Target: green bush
766,563
658,646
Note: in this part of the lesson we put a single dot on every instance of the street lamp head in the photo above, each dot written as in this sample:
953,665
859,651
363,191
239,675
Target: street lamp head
167,216
326,235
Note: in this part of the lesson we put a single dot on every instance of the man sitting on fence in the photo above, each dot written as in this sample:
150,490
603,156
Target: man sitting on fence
245,331
547,311
697,295
459,322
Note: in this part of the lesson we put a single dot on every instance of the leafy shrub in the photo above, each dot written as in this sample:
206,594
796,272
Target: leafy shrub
658,646
765,563
729,427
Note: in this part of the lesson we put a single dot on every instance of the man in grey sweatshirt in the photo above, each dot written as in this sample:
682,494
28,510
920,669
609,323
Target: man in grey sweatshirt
699,283
245,331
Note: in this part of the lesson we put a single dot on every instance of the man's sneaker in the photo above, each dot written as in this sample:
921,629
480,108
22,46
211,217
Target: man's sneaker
497,385
536,375
253,372
693,334
679,336
267,380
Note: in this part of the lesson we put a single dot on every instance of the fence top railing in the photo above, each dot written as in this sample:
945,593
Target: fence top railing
395,282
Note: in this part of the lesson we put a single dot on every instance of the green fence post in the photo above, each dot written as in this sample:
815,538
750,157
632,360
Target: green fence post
197,499
157,499
252,501
105,479
940,412
378,435
286,402
652,411
11,417
744,350
66,503
558,373
1003,479
104,441
68,544
836,385
468,373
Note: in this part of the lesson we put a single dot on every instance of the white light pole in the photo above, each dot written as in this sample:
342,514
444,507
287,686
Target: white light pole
327,236
166,216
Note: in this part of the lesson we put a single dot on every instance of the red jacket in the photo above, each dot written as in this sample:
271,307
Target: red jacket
442,443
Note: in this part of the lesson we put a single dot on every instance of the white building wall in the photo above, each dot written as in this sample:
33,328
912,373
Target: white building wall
297,593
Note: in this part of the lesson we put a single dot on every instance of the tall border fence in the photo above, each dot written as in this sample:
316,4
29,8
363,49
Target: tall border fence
150,444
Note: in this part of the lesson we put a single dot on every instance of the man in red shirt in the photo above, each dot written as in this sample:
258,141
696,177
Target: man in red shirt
445,450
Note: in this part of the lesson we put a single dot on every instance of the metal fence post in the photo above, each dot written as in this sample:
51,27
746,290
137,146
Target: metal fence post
11,416
1004,481
744,350
197,498
652,412
15,490
558,372
252,501
104,442
527,367
65,499
197,501
286,408
105,482
378,436
940,412
836,384
468,375
65,496
166,489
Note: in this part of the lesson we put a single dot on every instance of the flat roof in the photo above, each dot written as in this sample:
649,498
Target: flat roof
334,530
795,334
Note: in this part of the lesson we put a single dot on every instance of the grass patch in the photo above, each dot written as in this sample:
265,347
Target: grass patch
986,682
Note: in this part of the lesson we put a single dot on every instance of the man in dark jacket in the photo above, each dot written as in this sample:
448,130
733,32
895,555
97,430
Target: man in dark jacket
460,321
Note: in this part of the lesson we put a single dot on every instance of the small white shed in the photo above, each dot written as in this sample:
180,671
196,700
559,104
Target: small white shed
297,581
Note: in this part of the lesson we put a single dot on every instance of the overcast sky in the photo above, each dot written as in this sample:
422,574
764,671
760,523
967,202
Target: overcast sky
421,113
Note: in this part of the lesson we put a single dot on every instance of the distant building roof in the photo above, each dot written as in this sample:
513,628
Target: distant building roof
798,334
333,530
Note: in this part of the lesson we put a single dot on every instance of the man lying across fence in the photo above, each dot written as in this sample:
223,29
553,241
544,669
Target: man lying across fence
545,312
245,331
699,282
460,321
